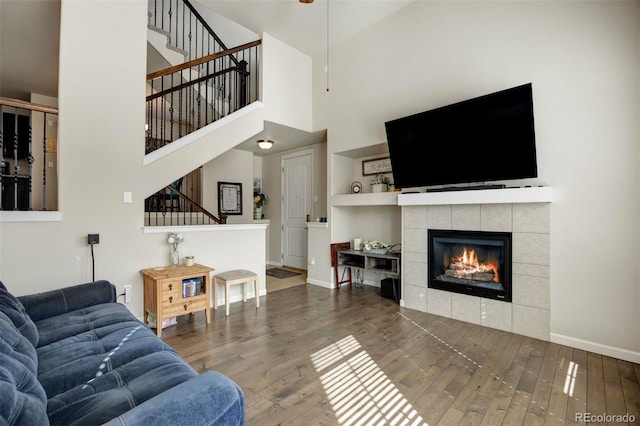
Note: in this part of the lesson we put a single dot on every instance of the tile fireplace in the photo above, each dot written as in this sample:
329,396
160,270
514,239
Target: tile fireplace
476,263
524,214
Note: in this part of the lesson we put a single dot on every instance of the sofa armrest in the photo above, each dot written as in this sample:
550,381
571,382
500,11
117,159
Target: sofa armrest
207,399
55,302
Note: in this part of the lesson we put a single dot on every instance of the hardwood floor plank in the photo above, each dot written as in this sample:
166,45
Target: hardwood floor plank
596,402
577,403
614,397
310,355
562,382
630,388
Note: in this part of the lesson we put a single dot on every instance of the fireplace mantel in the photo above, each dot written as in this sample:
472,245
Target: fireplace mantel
539,194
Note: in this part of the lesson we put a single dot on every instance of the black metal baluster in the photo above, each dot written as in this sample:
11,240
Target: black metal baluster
44,162
2,164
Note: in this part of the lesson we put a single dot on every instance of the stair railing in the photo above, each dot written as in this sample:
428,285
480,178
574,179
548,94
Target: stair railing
180,101
16,180
177,209
180,203
186,28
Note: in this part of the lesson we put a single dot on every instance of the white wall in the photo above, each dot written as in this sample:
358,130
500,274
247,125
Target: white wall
101,149
582,58
234,166
286,84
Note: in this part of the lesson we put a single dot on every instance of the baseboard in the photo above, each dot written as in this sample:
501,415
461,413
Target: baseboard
320,283
598,348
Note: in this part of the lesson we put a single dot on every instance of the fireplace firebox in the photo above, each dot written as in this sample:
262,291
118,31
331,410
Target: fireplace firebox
476,263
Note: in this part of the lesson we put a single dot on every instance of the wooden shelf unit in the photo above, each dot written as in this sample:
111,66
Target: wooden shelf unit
176,290
367,261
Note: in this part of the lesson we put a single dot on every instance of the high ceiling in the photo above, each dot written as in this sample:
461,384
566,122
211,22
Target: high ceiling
304,26
30,30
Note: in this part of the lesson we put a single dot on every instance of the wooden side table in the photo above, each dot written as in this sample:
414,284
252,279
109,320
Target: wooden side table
176,290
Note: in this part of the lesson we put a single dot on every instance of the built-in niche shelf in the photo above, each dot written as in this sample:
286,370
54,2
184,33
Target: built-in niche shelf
347,169
365,199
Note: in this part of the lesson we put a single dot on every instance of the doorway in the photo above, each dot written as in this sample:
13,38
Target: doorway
296,207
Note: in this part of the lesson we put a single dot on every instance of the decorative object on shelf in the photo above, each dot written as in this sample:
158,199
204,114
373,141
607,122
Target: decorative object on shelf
356,187
189,260
376,166
259,200
357,244
376,247
229,198
379,183
174,240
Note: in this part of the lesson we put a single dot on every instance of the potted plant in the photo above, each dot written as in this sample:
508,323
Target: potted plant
377,247
259,200
379,183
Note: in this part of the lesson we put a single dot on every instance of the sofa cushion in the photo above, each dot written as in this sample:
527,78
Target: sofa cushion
93,341
22,400
12,308
15,345
119,390
60,327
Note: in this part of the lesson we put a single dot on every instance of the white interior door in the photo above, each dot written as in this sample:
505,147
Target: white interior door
296,205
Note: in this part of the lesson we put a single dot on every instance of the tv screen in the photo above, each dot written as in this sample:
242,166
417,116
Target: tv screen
484,139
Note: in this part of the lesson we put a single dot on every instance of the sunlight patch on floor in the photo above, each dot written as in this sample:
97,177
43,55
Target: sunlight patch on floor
358,390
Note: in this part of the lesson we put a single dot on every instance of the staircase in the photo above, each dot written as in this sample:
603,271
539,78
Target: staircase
192,108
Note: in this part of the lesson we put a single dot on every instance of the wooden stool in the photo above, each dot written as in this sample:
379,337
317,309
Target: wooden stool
229,278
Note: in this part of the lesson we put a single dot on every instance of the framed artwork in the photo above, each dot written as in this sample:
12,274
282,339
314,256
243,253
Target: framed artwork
229,198
375,166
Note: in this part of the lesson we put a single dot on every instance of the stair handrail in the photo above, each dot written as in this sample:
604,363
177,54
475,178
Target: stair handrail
204,59
17,103
198,208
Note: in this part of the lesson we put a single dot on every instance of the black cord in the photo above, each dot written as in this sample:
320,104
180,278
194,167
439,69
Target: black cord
93,265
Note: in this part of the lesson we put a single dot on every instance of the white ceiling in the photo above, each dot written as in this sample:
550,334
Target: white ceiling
30,30
304,26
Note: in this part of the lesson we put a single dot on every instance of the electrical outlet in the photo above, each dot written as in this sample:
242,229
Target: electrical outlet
93,239
127,293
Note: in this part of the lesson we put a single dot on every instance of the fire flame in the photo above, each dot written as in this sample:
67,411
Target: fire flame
468,264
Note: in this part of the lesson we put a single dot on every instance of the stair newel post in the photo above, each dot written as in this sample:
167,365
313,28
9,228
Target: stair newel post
242,83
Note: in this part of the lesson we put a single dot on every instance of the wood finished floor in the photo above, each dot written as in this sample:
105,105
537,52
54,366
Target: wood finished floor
313,356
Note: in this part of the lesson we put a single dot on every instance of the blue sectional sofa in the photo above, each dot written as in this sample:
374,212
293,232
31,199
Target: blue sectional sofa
76,357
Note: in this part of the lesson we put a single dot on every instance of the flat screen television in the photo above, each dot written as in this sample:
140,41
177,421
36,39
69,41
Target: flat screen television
485,139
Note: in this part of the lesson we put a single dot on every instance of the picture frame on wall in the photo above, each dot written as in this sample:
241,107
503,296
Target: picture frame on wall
229,198
375,166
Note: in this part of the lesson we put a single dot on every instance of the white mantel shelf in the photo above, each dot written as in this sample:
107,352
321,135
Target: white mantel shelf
539,194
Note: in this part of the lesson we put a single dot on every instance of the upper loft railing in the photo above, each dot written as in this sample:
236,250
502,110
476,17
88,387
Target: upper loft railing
186,28
184,98
21,158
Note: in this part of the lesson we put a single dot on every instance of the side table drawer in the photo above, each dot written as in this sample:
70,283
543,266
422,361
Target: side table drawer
184,306
170,286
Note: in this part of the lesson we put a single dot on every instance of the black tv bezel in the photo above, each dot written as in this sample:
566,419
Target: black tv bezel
417,176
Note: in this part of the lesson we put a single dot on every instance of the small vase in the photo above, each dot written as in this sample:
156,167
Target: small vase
257,213
379,187
175,257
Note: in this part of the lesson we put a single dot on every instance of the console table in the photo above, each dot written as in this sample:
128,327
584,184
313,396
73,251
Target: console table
176,290
367,261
